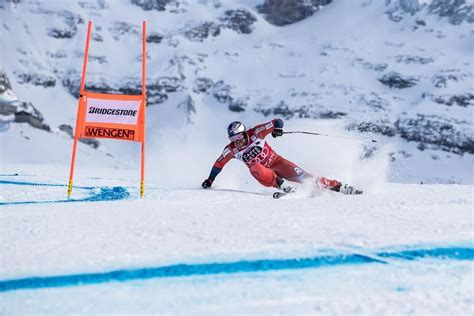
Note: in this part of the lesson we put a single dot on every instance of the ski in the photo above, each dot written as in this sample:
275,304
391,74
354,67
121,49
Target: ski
278,195
344,189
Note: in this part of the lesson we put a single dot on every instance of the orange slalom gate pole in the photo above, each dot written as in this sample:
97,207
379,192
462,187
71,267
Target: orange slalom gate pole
81,91
142,180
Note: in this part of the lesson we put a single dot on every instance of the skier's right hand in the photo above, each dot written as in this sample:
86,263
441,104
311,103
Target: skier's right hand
206,184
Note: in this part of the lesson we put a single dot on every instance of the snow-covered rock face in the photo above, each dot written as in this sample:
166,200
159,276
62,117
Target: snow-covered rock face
14,110
6,95
397,8
4,82
457,11
69,27
284,12
158,5
36,79
449,135
396,80
409,81
239,20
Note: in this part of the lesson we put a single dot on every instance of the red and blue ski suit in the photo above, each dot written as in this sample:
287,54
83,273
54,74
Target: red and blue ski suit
264,163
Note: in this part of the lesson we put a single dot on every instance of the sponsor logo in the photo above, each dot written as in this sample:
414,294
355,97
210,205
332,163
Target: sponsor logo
113,111
110,132
298,170
256,154
258,130
252,153
226,152
94,110
269,160
269,125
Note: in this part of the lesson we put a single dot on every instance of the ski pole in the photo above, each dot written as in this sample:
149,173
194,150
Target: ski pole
319,134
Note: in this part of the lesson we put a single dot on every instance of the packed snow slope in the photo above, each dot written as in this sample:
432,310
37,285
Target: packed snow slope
400,71
374,233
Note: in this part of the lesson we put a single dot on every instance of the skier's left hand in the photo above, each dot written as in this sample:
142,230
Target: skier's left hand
206,184
277,132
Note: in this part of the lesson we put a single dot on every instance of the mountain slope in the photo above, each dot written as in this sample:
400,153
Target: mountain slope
211,62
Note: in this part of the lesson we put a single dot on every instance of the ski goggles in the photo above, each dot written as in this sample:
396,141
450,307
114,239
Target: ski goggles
237,137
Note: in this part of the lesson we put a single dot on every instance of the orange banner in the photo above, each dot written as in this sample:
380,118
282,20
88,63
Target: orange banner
111,116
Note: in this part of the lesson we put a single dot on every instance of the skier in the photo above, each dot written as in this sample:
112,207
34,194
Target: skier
266,166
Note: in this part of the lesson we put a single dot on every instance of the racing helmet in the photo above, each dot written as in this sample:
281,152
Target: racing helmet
236,131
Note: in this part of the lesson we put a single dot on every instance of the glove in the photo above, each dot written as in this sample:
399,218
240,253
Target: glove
206,184
277,132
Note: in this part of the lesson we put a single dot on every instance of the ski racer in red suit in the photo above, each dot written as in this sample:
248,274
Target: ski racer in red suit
266,166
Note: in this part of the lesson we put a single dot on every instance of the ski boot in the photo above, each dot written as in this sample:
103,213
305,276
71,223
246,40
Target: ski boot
336,186
285,187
